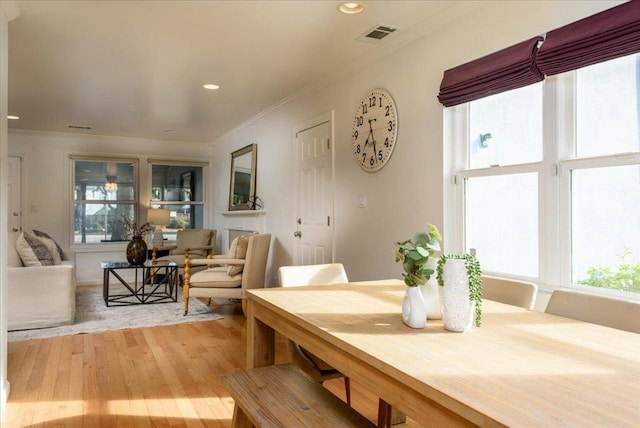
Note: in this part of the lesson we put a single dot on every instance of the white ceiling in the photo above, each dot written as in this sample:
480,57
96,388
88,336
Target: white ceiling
136,68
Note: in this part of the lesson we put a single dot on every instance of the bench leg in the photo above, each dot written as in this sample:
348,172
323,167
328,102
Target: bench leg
240,420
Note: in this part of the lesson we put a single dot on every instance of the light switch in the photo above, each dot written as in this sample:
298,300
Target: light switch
362,200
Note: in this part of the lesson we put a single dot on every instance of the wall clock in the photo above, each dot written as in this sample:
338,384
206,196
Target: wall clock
375,127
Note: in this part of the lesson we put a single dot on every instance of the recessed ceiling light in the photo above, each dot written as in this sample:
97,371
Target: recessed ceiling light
11,117
350,8
210,86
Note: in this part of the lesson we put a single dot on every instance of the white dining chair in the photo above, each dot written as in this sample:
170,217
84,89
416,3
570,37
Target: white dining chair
322,274
603,310
293,276
509,291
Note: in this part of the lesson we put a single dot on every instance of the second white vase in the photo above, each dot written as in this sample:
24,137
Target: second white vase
457,307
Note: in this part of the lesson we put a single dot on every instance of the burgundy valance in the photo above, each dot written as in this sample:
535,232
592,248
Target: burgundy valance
510,68
607,35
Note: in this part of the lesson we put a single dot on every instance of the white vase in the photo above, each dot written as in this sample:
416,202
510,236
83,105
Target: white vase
431,294
414,311
457,308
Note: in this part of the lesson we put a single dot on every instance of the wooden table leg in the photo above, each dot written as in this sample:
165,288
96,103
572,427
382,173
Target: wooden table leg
261,340
240,419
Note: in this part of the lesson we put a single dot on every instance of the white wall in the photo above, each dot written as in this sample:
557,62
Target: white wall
46,200
408,192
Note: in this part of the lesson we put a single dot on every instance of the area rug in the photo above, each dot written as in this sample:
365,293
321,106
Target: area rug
92,315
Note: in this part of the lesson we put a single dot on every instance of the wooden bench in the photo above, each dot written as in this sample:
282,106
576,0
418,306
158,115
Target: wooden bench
285,396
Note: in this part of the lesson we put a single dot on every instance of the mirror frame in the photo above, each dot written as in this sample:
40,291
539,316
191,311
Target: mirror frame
253,150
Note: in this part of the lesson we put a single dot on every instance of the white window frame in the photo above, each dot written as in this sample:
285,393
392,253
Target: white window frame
135,201
194,164
554,183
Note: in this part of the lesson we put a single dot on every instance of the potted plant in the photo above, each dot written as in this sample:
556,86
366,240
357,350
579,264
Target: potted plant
414,254
136,248
460,276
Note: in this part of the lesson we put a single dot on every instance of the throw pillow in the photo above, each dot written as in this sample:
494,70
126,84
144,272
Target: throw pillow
51,246
237,250
41,234
32,251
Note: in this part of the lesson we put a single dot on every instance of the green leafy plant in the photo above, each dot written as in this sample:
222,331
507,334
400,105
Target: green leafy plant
414,253
474,272
132,227
625,277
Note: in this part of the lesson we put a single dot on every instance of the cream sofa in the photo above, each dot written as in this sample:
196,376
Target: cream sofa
43,296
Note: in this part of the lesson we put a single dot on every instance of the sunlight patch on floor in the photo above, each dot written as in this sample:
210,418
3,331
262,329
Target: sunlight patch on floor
183,408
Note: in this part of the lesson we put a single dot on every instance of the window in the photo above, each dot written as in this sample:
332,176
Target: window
603,176
506,129
503,148
104,190
491,211
180,189
549,178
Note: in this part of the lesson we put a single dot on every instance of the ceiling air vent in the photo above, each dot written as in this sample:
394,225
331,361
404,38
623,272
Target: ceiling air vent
78,127
377,33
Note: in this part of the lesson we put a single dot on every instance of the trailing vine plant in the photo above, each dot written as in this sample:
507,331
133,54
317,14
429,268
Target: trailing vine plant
474,272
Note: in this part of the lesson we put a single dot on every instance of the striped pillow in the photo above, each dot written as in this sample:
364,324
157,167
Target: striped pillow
33,251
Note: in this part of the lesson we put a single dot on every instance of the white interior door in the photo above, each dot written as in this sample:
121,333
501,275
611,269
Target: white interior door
314,199
14,197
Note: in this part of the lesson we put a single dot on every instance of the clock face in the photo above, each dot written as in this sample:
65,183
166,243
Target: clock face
375,127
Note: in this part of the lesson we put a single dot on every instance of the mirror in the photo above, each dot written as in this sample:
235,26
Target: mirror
242,187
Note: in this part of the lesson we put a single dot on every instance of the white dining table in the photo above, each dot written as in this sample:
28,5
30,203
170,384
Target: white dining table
521,368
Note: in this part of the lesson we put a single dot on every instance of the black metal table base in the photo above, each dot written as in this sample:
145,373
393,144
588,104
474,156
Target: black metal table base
151,284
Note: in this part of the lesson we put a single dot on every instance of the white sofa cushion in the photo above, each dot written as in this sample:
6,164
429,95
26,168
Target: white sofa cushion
33,251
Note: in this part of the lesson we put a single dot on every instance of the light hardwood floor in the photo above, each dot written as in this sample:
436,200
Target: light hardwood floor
147,377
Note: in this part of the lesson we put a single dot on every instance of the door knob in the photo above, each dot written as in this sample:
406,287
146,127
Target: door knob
16,213
297,234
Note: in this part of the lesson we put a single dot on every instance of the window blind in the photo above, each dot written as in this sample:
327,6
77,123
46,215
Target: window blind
510,68
601,37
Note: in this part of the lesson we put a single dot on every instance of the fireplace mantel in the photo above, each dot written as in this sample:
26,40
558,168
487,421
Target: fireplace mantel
242,221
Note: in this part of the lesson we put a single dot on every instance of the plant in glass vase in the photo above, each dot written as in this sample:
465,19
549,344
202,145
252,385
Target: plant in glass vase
414,254
137,247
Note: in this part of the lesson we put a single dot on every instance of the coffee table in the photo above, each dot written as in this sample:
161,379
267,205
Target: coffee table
151,283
